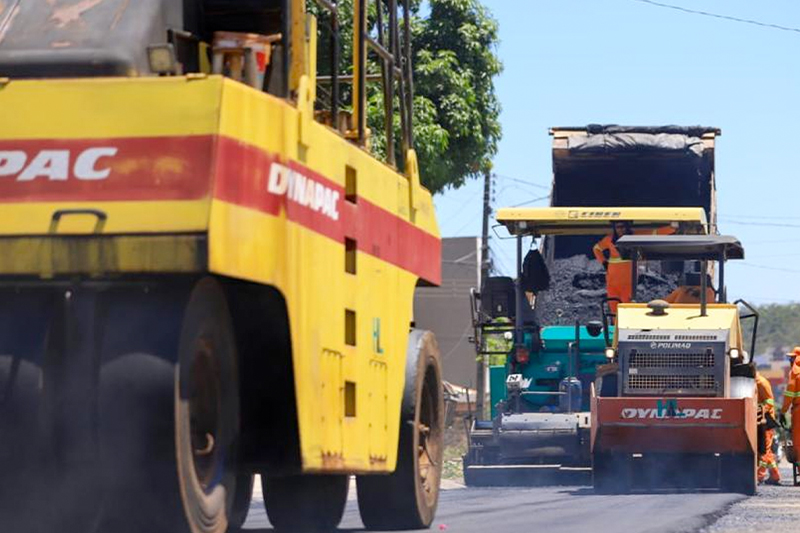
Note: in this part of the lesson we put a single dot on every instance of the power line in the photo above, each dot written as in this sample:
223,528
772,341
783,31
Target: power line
761,217
718,16
460,340
462,228
770,224
498,265
534,201
503,257
772,241
460,212
766,267
770,256
524,182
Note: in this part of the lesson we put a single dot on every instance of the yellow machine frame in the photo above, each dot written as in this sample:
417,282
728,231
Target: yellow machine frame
596,220
245,185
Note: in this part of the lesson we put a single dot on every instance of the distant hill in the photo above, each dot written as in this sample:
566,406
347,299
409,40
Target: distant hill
778,328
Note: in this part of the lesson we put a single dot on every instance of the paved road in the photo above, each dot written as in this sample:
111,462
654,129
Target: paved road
554,510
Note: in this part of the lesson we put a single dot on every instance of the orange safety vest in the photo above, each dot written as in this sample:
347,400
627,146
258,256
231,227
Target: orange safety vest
689,295
607,244
791,395
619,275
766,399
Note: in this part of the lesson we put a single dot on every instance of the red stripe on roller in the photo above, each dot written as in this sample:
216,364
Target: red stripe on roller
181,168
243,178
158,168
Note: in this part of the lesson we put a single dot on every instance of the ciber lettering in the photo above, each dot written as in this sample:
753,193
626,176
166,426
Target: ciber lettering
599,214
638,413
56,165
303,190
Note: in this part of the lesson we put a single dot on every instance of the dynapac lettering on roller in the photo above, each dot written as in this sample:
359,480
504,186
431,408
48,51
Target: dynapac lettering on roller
56,165
638,413
303,190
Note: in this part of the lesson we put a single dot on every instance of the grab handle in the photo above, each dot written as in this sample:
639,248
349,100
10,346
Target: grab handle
98,226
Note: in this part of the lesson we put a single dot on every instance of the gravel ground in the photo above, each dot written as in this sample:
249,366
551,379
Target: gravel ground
772,510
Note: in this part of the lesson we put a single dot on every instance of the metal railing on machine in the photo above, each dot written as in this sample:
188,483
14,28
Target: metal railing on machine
381,34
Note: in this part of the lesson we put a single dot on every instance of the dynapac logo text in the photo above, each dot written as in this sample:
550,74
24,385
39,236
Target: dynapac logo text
56,165
303,190
668,409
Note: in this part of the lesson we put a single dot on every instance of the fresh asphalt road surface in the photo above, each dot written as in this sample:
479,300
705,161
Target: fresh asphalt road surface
552,510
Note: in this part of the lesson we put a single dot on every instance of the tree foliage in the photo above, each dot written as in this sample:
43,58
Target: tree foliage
456,112
455,64
778,327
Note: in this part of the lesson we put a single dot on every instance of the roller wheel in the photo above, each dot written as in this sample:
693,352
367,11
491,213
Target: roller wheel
305,503
241,500
135,408
407,498
207,411
24,321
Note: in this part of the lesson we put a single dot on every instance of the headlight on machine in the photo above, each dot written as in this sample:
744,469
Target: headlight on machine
162,59
610,353
734,353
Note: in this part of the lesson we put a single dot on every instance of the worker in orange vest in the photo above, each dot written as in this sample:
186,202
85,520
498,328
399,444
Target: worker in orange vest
791,395
690,294
767,467
618,270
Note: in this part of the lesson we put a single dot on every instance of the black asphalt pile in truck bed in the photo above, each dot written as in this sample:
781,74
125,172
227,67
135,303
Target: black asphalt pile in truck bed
578,286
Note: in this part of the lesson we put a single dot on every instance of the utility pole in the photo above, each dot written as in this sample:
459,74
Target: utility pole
480,386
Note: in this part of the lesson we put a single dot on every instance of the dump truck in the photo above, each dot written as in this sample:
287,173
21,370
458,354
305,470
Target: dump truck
540,424
677,405
604,166
631,166
206,273
623,166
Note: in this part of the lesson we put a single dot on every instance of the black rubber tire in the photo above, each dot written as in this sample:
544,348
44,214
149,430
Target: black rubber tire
207,410
24,322
738,474
241,500
305,503
406,499
136,408
137,450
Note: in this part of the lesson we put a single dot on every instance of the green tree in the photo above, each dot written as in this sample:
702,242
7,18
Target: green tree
456,127
778,327
455,64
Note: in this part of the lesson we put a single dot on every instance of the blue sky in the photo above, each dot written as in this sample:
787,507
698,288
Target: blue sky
575,62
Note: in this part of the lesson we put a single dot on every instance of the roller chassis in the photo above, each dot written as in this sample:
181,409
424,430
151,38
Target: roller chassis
161,333
682,413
